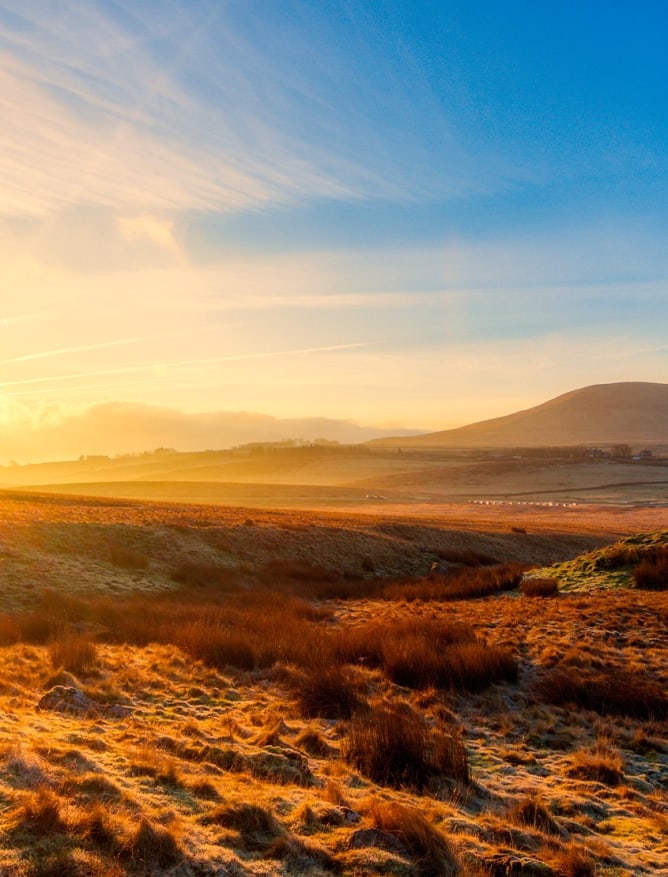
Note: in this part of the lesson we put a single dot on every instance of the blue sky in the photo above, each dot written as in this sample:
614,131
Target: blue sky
402,214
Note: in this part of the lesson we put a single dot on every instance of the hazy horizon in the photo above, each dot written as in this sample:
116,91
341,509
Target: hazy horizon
369,218
116,428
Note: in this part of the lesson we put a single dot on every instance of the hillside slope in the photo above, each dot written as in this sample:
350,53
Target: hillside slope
633,412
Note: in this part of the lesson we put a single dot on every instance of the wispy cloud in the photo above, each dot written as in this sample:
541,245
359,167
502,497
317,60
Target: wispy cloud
163,110
158,231
184,363
60,351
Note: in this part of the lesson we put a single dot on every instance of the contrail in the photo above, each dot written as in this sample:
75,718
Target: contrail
186,362
58,351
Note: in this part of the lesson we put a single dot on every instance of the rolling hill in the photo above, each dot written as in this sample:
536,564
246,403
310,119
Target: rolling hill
603,414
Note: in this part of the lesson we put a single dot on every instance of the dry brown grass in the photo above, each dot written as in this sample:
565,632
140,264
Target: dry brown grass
539,587
208,749
326,690
257,826
74,652
575,861
617,691
152,846
652,573
532,811
40,813
215,644
602,764
394,746
427,846
459,583
461,666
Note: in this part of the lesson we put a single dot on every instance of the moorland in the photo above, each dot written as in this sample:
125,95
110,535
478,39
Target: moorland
195,689
401,658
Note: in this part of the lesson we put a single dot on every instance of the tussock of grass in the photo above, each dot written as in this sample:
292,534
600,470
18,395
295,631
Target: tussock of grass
326,690
313,743
651,574
216,645
425,653
533,812
616,692
459,584
426,845
464,666
146,761
394,746
74,652
539,587
153,846
97,827
256,826
602,765
575,861
40,813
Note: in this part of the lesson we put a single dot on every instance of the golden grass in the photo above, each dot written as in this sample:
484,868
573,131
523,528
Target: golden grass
74,652
394,746
344,747
539,587
426,845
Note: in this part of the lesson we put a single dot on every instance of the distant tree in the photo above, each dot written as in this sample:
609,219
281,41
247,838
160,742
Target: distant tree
621,452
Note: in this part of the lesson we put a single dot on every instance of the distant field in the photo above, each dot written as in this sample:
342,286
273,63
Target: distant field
355,479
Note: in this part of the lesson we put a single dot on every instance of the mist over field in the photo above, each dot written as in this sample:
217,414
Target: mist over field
121,428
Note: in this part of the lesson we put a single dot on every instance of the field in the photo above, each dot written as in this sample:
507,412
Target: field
357,478
199,690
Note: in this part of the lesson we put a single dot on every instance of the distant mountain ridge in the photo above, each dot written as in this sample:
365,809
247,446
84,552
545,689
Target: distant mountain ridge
602,414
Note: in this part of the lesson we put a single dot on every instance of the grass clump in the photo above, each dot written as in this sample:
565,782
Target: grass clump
609,692
425,653
327,691
74,652
467,666
652,573
40,813
426,845
257,828
602,765
394,746
464,583
542,587
575,861
313,743
153,846
216,645
532,812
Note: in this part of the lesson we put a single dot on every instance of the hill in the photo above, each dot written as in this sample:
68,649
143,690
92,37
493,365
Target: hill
603,414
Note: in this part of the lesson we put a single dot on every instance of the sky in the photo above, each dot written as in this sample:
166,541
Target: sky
376,214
